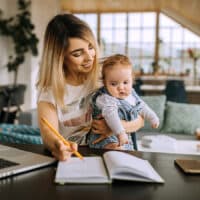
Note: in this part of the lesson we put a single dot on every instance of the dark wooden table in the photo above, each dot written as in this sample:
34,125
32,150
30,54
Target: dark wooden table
39,184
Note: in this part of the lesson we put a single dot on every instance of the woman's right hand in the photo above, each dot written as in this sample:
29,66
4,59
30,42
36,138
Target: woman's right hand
58,149
62,152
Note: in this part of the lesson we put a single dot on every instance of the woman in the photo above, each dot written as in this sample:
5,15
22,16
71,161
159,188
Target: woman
67,77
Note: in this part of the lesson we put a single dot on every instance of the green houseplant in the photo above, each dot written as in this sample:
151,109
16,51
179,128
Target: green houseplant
20,30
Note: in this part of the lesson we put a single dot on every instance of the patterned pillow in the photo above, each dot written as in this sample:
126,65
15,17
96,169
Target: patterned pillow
19,133
181,118
157,104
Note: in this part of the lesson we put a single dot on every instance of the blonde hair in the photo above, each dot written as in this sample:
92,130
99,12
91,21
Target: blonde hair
111,61
52,73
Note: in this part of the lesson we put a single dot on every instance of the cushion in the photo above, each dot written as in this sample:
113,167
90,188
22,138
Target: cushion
157,104
181,118
22,134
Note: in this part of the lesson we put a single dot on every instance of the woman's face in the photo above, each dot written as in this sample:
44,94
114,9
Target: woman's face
80,56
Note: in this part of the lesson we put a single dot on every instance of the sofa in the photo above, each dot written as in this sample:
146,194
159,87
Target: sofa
25,132
175,118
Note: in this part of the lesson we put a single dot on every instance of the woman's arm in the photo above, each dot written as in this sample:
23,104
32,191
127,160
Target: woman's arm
50,140
100,126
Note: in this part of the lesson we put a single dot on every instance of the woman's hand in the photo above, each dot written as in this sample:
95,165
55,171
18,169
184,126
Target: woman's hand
100,127
62,152
58,149
133,126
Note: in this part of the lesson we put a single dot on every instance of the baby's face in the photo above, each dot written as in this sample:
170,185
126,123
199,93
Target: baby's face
118,81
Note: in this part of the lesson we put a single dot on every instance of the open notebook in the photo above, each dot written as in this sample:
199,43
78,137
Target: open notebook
14,161
113,165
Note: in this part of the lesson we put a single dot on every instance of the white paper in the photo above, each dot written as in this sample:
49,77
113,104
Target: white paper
90,168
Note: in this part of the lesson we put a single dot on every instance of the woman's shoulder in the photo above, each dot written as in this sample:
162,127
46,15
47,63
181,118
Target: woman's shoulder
45,92
46,95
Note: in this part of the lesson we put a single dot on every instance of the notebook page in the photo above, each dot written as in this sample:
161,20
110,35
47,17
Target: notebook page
77,170
123,164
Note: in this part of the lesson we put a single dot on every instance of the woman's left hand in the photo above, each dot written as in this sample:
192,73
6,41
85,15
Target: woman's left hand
99,126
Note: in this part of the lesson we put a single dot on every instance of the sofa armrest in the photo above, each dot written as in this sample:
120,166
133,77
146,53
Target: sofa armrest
28,117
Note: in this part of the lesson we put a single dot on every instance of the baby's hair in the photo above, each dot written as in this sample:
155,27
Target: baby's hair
113,60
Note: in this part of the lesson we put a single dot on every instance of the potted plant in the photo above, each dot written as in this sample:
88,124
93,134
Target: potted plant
19,29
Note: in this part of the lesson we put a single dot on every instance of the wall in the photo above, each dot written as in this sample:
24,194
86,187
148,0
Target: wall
5,77
40,14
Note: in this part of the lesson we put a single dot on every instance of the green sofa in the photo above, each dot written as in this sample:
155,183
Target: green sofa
26,132
175,118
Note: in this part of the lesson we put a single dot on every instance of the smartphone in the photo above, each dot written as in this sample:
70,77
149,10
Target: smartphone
190,166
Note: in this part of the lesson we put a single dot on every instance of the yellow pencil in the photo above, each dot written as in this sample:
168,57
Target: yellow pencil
60,137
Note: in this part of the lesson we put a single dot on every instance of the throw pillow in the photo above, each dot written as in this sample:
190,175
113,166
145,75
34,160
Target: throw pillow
157,104
181,118
18,133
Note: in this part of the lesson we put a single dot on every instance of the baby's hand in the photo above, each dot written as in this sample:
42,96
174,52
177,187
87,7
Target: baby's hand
123,139
155,125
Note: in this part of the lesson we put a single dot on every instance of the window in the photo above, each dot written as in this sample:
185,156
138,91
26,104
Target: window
113,33
91,19
134,34
141,39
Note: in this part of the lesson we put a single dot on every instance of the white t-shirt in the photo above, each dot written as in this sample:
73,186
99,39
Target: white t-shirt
75,117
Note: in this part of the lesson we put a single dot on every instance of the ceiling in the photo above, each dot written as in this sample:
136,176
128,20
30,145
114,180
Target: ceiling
185,12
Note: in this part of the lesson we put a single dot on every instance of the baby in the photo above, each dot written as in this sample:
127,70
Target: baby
117,101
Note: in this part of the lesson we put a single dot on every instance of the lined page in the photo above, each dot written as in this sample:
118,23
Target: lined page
86,170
